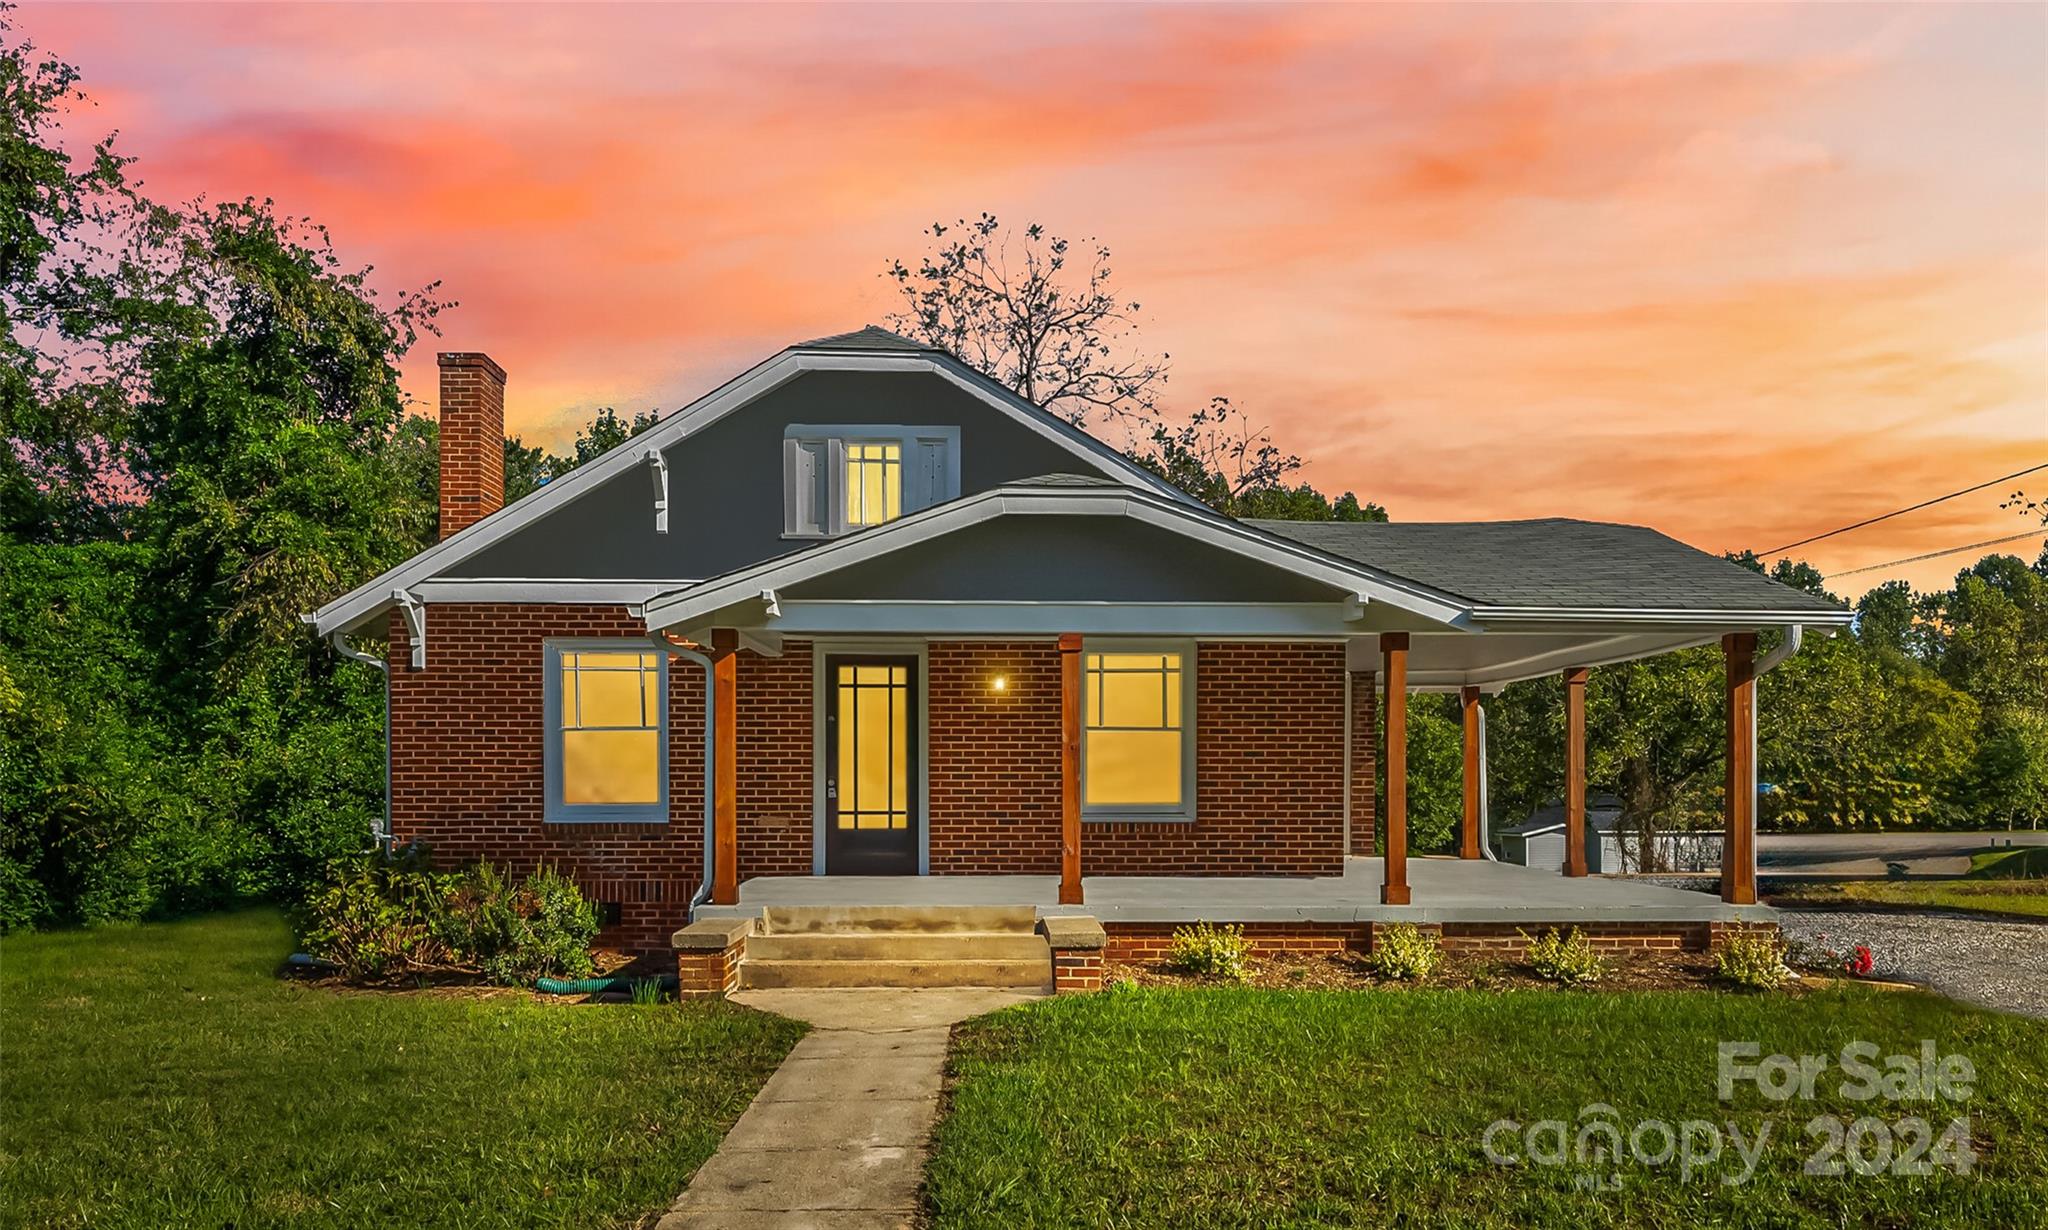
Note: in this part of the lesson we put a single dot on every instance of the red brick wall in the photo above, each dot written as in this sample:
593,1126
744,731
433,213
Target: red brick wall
775,762
1269,772
467,775
468,737
472,439
1365,716
1138,943
1269,766
994,760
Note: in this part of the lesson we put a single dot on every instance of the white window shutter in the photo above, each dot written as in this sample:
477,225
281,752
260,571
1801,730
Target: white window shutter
803,496
936,470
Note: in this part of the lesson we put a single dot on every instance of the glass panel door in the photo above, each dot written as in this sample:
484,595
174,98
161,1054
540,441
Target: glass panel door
871,760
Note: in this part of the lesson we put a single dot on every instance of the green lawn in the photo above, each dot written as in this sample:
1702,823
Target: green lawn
161,1076
2006,881
1190,1109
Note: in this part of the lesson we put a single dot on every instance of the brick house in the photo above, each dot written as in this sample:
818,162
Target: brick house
861,613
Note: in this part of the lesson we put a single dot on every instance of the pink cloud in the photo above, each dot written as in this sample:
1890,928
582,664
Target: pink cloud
1734,271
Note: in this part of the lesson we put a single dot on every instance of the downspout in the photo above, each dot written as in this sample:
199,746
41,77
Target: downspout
1485,792
1769,662
380,834
679,648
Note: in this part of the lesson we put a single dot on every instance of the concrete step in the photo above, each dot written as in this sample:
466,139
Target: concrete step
898,946
922,919
758,975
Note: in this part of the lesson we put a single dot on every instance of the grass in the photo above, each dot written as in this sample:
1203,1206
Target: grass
162,1075
1247,1108
2003,881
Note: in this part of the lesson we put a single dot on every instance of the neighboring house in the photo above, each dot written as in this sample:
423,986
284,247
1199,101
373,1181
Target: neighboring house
1612,848
946,634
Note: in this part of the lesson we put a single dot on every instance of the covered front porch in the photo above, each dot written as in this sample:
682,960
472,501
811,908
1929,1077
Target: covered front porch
1280,652
1447,890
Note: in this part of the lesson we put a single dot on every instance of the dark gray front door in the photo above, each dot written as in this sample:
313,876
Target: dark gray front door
871,765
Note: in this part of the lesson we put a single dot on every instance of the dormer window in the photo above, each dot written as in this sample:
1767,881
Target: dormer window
841,478
874,483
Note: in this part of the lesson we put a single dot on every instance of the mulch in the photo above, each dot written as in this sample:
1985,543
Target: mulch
1626,971
462,982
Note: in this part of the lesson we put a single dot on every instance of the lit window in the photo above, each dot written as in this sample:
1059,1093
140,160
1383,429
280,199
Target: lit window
871,785
842,477
1136,747
606,717
874,483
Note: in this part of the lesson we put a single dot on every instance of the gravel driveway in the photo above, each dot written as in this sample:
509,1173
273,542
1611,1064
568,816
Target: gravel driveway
1992,962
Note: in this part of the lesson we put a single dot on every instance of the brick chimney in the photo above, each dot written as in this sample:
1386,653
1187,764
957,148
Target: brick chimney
472,439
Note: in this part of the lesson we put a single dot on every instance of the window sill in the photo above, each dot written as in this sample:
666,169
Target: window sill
1136,817
614,818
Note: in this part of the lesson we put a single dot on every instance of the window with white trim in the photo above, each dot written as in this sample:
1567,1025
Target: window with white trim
841,478
1137,748
607,732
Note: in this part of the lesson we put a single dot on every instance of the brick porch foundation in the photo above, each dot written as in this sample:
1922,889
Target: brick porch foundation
1143,942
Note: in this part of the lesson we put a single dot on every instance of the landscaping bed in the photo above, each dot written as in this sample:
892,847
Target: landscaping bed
1626,971
1152,1107
166,1075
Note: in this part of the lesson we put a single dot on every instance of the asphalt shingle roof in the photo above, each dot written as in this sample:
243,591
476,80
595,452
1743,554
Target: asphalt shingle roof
1066,480
873,337
1556,562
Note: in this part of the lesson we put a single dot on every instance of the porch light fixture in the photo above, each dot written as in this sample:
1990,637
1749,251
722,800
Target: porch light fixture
999,684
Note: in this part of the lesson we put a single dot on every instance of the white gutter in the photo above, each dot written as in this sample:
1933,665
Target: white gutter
380,836
1485,791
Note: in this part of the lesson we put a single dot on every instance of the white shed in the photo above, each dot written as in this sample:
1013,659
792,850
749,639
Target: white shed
1610,849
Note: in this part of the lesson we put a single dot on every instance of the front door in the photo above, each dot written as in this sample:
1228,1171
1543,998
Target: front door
870,765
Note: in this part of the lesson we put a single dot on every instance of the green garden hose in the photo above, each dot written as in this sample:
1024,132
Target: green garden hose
598,986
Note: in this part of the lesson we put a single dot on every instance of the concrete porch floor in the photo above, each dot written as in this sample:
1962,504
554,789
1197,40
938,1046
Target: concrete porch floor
1443,890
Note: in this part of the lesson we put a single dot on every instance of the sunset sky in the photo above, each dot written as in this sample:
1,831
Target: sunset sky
1742,273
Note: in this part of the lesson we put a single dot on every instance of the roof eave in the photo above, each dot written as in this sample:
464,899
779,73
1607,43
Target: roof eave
705,600
1518,618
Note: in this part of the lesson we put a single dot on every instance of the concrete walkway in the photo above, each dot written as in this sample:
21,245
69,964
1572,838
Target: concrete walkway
836,1139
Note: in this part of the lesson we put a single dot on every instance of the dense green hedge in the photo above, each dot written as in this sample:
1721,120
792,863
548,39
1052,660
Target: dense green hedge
118,802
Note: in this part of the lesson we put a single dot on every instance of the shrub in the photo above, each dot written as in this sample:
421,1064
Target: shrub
1752,959
1567,959
1403,951
541,927
1213,952
378,916
372,919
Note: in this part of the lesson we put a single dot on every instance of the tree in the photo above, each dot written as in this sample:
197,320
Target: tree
1057,335
60,386
1887,619
260,444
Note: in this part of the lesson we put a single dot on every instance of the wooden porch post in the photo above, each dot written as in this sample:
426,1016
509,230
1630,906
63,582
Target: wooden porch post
725,760
1394,655
1469,847
1575,771
1738,838
1070,768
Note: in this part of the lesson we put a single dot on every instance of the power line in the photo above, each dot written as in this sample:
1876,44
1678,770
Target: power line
1914,559
1903,511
